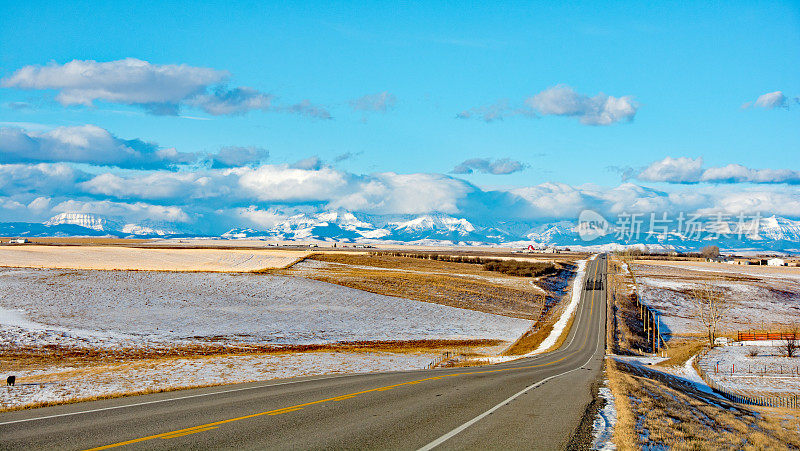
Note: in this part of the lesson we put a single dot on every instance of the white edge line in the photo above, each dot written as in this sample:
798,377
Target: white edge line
469,423
171,399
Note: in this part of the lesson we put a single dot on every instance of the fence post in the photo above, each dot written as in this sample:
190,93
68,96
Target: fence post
658,332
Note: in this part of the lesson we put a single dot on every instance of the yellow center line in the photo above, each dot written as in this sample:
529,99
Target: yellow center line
167,437
214,425
594,277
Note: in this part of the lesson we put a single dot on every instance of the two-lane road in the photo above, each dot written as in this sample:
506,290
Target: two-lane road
534,402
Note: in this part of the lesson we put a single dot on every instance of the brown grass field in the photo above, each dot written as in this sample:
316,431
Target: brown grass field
27,358
462,285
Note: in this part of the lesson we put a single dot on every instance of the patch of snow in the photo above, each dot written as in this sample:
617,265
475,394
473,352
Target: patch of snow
690,374
603,426
770,343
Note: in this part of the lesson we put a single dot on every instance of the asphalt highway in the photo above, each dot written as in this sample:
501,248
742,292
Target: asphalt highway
534,402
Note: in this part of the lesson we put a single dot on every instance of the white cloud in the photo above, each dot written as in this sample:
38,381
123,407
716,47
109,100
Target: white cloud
41,179
380,102
501,166
262,195
128,81
312,163
223,101
346,156
85,144
673,170
392,193
282,183
493,112
306,108
772,100
553,200
562,100
259,218
235,156
41,203
690,170
159,88
184,186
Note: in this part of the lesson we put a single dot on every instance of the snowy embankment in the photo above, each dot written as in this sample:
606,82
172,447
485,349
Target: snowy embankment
575,299
604,422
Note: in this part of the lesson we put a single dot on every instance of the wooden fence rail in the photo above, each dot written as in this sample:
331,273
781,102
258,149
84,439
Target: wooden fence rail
754,336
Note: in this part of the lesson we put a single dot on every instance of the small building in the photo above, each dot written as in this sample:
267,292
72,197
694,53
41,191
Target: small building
719,259
776,262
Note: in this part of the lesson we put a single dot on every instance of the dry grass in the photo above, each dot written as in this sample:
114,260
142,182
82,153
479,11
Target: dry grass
681,349
27,358
659,414
530,340
461,285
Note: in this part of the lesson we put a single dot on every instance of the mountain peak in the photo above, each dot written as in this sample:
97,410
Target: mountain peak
87,220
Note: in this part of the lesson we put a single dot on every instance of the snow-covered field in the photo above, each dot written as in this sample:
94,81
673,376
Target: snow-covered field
117,257
58,384
129,308
790,272
767,300
120,311
767,372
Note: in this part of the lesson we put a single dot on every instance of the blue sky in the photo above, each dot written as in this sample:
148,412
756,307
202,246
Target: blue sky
683,70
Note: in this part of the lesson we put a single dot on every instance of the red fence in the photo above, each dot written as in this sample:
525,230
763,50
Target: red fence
752,336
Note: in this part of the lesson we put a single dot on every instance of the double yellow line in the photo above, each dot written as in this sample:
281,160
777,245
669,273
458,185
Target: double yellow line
294,408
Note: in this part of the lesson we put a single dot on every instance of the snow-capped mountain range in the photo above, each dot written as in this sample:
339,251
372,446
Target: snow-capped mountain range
773,233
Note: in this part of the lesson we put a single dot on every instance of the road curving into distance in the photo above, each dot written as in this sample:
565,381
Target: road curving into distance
534,402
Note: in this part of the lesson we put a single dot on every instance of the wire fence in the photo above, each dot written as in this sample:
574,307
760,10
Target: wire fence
757,370
448,356
788,401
